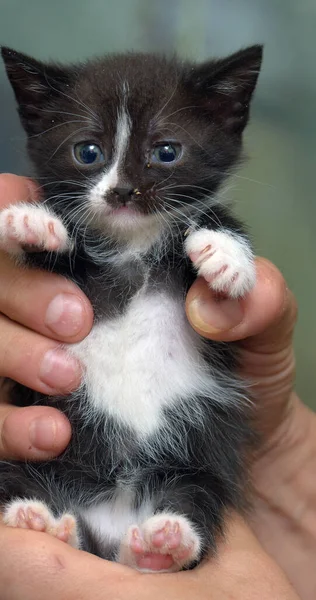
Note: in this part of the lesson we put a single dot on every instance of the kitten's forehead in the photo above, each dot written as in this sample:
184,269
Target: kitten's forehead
140,84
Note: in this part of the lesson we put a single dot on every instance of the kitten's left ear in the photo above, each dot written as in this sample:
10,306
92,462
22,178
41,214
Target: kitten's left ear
34,84
225,87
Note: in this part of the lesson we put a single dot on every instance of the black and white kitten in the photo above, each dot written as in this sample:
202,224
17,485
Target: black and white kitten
131,151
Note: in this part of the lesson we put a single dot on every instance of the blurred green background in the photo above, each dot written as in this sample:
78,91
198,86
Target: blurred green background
274,192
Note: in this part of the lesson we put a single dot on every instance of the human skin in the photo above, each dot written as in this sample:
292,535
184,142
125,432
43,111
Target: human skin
30,303
263,324
284,500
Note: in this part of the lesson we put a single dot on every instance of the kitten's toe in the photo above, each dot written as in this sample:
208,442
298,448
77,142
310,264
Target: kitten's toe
25,225
31,514
225,261
164,543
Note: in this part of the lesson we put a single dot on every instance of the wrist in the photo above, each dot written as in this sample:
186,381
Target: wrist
284,517
284,474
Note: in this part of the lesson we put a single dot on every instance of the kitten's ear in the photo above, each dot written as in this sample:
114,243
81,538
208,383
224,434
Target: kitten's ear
225,87
34,84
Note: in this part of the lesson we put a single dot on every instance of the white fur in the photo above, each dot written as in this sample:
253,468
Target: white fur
121,224
35,515
226,87
224,259
111,519
144,360
27,224
110,178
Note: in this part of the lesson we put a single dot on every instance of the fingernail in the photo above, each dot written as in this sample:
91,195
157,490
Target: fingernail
59,370
43,432
65,315
213,315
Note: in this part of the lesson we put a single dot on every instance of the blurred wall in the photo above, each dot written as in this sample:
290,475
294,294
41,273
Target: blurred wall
274,192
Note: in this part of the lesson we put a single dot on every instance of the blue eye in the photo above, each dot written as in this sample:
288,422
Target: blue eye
166,153
88,153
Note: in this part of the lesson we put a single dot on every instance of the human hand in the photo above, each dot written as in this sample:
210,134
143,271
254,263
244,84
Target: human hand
35,342
284,515
35,566
37,311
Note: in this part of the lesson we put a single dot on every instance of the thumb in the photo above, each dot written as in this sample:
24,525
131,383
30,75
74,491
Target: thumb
265,326
254,317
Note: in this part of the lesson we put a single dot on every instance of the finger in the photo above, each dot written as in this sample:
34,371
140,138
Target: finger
44,302
34,566
231,320
16,189
32,433
240,562
41,567
35,361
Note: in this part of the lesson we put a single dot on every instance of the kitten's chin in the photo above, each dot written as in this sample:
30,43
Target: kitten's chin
125,219
125,223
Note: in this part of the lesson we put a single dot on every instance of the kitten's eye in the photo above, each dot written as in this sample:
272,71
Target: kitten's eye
166,153
88,153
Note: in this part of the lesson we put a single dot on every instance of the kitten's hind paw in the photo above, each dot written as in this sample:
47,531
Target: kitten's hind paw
164,543
224,259
27,225
31,514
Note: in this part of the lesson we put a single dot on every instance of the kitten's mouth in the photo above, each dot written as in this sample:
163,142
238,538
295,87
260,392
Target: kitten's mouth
125,216
125,210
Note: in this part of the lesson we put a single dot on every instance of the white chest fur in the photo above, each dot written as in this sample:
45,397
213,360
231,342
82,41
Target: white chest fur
111,519
142,361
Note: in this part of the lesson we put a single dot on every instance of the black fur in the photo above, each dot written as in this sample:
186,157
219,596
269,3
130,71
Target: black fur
205,108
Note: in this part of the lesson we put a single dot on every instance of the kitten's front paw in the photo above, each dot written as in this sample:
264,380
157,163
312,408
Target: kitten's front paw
225,261
28,225
30,514
164,543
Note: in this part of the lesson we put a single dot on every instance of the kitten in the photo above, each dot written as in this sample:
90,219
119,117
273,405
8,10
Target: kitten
131,151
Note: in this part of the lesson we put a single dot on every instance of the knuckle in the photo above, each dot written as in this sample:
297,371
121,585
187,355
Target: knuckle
14,188
16,351
16,284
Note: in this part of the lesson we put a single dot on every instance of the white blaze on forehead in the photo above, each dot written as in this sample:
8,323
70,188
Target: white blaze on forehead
123,130
110,178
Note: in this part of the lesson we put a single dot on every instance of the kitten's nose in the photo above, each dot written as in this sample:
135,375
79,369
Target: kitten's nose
123,191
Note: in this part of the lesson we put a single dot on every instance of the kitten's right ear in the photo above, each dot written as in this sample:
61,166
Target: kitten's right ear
34,84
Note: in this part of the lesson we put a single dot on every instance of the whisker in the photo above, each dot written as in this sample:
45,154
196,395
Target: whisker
66,139
166,103
79,102
177,111
54,127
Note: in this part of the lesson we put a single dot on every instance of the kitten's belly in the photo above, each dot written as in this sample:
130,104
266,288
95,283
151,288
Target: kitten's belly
143,361
111,519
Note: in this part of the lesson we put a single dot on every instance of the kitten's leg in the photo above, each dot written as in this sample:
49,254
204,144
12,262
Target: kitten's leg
166,542
224,259
35,515
29,225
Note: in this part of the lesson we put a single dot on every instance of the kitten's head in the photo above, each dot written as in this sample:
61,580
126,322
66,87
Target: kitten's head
128,140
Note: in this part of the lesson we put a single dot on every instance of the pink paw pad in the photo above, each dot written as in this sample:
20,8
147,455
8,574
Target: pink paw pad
223,259
162,543
137,543
27,225
199,256
28,514
27,518
169,536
